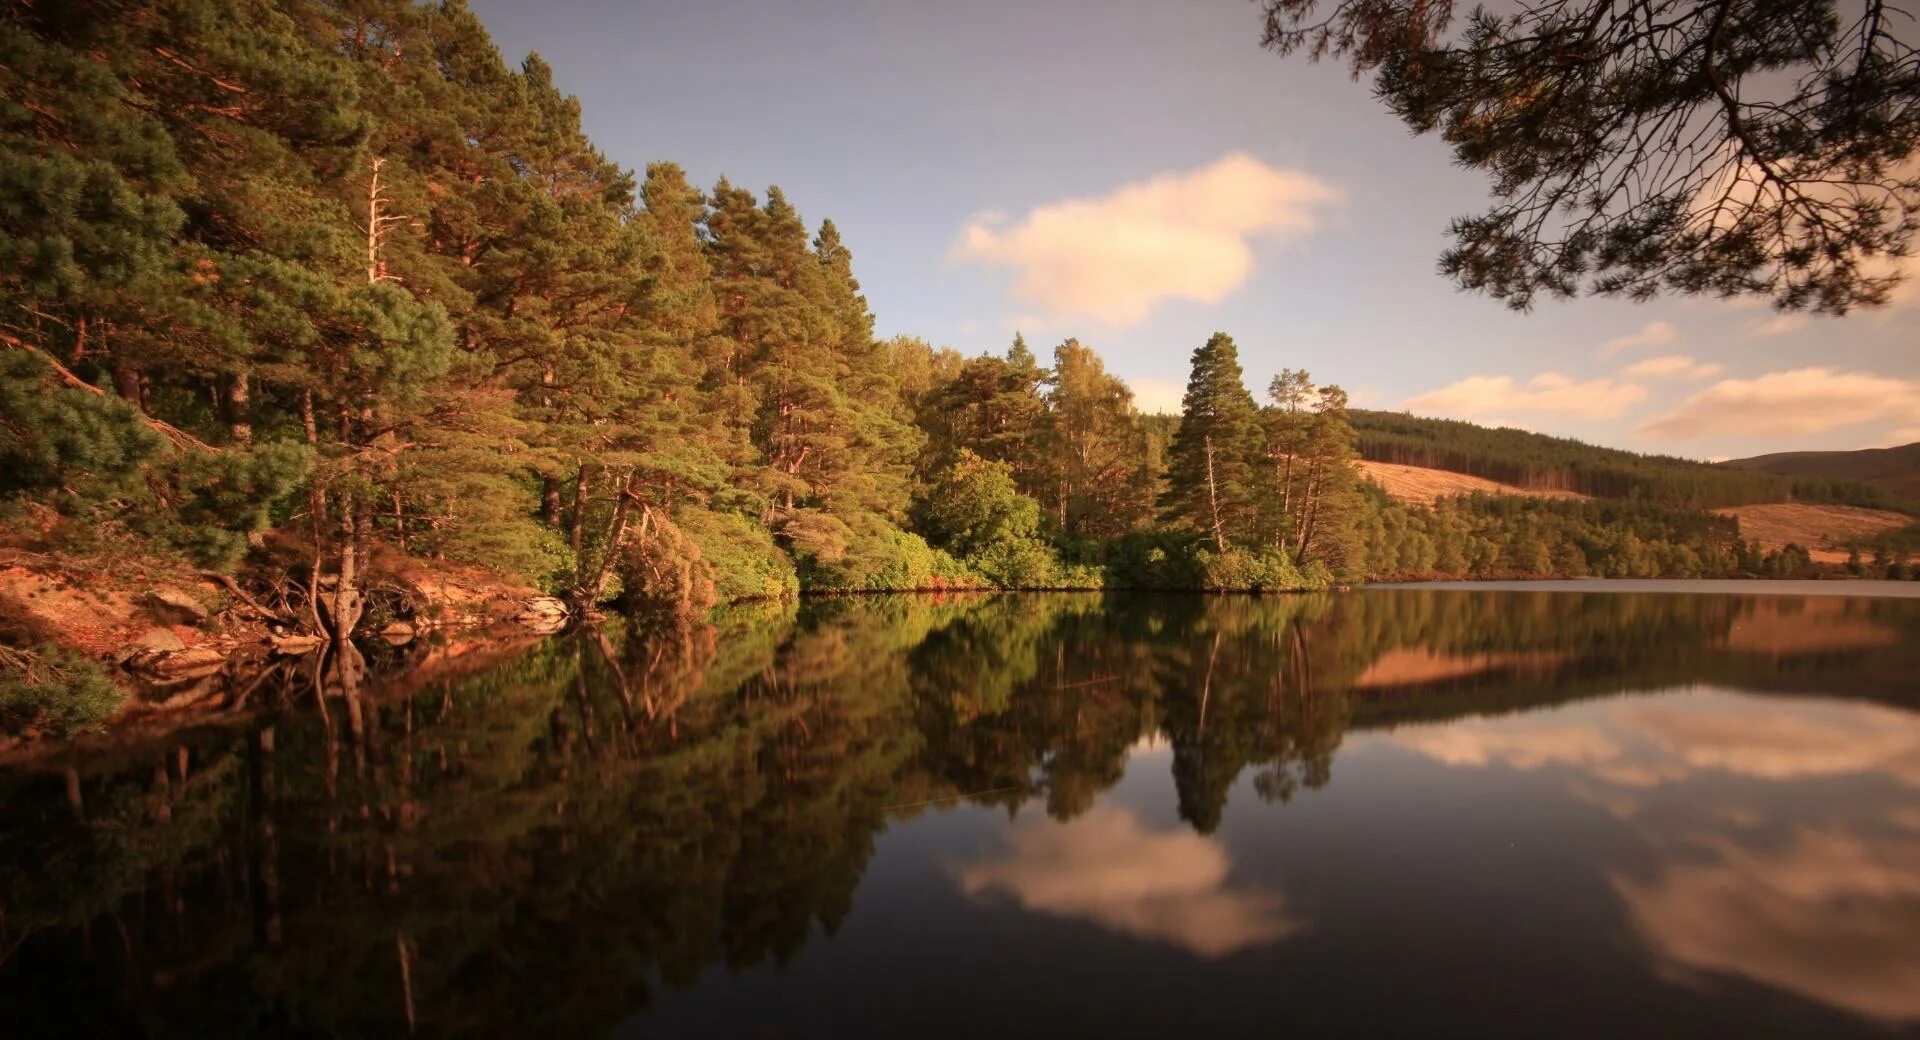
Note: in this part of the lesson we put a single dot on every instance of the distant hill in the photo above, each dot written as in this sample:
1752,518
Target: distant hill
1893,470
1536,462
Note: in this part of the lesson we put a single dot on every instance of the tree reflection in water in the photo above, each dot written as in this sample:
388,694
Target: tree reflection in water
533,840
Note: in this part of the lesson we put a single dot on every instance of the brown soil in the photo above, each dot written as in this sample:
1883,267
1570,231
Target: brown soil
95,613
1420,486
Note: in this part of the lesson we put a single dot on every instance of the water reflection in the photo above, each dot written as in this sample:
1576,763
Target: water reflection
553,837
1827,913
1165,884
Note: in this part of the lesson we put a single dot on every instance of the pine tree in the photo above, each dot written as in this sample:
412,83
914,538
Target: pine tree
1214,481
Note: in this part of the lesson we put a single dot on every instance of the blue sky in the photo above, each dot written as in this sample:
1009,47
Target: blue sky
910,122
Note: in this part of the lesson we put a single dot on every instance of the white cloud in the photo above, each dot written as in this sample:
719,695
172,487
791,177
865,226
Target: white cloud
1673,366
1108,868
1157,396
1780,325
1795,403
1652,333
1552,393
1175,236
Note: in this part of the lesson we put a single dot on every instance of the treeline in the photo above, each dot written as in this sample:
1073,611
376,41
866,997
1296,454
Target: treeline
1048,477
1513,536
1533,460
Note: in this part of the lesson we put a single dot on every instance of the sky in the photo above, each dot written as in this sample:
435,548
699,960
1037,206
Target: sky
1140,174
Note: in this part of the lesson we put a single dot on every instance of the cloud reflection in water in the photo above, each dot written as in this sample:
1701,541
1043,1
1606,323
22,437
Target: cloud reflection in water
1108,868
1827,908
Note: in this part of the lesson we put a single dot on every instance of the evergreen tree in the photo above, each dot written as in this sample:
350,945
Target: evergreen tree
1214,480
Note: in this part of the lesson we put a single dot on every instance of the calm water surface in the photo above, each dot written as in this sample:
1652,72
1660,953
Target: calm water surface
1390,812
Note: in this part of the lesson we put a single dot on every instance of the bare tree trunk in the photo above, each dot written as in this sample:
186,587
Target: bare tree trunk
1213,500
1309,512
399,521
346,605
1286,500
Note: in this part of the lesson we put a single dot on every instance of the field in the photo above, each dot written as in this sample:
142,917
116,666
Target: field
1425,486
1820,528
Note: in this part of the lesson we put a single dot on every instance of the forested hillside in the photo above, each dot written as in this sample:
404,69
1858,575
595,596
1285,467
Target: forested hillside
1895,471
1533,460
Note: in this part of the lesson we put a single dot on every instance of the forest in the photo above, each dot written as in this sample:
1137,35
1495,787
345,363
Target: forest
1533,460
295,290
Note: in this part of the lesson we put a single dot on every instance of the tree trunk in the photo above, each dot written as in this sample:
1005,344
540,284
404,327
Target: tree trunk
577,524
1213,500
129,384
346,605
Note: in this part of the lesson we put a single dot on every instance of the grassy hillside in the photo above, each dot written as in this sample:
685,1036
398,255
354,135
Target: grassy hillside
1895,471
1423,486
1826,531
1541,463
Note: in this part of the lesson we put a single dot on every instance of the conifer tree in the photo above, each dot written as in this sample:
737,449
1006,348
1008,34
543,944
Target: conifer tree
1213,474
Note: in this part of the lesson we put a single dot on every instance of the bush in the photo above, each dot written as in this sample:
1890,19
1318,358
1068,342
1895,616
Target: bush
1017,563
1184,560
1155,558
663,571
1252,570
746,563
865,553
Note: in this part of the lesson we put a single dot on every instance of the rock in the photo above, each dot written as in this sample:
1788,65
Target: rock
397,633
192,661
542,608
156,641
175,606
294,645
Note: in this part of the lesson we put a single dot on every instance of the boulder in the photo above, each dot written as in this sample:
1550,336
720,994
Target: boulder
543,607
155,641
294,645
192,661
175,606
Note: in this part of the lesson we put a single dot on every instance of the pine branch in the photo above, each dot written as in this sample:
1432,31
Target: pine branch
177,437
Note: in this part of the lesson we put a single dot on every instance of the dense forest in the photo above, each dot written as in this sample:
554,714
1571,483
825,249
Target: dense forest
293,290
301,286
1533,460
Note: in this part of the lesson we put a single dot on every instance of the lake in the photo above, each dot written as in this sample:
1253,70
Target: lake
1514,811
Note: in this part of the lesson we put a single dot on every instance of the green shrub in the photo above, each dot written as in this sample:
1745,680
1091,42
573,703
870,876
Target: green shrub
746,563
866,553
